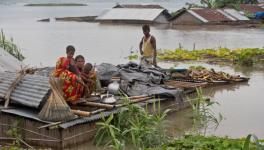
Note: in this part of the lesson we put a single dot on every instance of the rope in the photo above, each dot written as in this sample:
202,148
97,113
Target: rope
13,86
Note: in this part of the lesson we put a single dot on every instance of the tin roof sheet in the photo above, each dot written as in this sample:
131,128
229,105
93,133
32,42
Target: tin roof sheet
24,112
211,15
32,91
235,14
131,14
148,6
251,8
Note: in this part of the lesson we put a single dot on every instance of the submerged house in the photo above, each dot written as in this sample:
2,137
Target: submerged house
249,8
32,94
199,16
149,6
137,14
256,12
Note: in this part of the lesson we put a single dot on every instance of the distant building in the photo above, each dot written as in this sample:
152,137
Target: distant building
249,8
150,6
135,14
206,16
236,15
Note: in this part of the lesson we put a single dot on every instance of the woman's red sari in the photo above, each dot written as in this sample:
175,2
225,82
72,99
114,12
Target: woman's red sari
72,88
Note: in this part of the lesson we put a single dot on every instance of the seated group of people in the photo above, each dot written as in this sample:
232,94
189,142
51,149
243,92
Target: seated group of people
78,79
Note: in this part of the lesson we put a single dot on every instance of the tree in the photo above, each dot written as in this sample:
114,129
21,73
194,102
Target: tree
222,3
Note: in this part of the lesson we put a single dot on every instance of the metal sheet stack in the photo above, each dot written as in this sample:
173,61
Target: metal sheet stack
32,91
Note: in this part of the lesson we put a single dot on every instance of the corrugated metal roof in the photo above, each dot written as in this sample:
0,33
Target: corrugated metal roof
88,119
33,114
235,14
197,16
211,15
32,91
131,14
251,8
105,114
261,4
8,62
227,15
24,112
150,6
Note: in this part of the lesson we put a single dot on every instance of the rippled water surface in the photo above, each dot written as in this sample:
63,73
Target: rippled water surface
43,42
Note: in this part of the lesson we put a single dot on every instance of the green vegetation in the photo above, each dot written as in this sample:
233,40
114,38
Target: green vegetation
56,4
199,142
134,126
11,148
199,68
223,3
202,113
15,132
10,46
133,57
247,56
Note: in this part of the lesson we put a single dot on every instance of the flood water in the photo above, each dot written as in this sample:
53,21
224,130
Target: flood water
43,42
240,104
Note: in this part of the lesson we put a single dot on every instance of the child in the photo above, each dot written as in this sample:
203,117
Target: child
89,78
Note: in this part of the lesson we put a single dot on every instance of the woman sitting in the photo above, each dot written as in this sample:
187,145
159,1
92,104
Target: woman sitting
68,73
79,61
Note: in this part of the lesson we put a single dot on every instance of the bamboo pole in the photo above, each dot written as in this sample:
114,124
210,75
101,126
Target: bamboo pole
100,105
134,101
82,113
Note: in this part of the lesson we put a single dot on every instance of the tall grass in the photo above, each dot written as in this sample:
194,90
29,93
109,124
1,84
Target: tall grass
135,126
10,46
203,116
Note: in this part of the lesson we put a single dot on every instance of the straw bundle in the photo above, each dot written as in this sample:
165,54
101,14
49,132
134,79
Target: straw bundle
56,108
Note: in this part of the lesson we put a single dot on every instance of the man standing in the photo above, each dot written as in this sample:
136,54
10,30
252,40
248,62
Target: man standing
147,48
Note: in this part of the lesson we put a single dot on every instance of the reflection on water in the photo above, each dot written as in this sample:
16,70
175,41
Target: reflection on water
43,42
241,104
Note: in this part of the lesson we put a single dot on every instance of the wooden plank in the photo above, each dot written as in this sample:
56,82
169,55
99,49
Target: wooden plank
185,85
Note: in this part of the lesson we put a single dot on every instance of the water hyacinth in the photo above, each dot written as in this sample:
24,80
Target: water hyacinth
245,56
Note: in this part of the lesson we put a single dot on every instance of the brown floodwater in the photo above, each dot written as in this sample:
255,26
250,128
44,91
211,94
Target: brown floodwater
241,104
42,43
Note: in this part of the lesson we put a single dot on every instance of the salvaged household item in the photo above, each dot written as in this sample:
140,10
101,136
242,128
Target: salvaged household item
56,109
113,87
108,99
